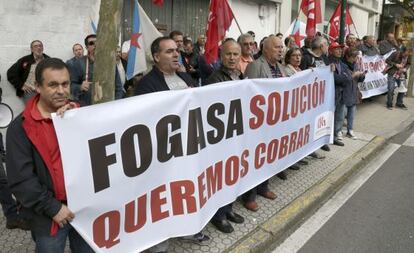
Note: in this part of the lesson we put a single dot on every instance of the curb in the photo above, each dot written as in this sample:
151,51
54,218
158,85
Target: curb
290,217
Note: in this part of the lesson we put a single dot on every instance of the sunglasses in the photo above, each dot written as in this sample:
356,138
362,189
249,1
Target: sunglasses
91,43
248,44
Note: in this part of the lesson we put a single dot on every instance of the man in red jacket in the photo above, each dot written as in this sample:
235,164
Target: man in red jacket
34,165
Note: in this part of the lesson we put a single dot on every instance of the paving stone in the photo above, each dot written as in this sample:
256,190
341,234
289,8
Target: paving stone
297,183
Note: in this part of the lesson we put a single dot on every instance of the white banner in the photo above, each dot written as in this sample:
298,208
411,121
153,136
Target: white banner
375,82
147,168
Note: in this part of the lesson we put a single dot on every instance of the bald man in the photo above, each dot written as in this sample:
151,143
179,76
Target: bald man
266,66
230,58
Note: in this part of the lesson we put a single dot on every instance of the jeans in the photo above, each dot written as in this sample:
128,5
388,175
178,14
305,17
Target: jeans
338,119
351,110
390,95
57,243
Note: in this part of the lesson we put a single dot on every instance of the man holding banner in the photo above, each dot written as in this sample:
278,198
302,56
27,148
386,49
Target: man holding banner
165,75
368,46
34,165
266,66
230,58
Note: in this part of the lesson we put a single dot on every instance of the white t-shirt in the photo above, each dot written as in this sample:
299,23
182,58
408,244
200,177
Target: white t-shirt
174,82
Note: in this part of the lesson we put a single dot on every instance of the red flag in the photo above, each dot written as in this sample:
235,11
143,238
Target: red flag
219,21
334,23
312,9
158,2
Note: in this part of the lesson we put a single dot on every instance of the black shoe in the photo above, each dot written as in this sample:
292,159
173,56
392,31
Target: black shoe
326,148
338,143
389,107
294,167
223,225
303,162
17,223
199,238
316,155
402,106
234,217
282,175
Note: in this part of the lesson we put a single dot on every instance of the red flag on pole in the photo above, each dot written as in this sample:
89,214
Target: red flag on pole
219,21
158,2
334,23
312,10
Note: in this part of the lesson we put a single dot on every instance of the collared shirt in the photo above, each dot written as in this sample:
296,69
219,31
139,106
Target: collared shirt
50,140
276,73
244,62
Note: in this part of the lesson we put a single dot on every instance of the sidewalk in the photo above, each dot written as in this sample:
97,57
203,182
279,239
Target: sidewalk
303,191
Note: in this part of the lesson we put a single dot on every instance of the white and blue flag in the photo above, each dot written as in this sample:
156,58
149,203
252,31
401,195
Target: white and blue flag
143,34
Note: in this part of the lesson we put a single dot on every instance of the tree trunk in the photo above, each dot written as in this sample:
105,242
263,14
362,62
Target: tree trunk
109,28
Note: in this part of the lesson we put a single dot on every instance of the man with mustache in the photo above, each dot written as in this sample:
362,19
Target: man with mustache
34,165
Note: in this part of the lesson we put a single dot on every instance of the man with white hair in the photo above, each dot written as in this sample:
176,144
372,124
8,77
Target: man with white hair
266,66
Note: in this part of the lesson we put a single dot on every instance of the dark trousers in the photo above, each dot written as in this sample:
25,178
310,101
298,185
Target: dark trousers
57,243
6,200
390,95
221,213
252,194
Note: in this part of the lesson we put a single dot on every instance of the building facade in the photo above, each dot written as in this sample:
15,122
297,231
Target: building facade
60,24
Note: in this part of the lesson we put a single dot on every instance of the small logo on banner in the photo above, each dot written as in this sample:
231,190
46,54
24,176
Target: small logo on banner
323,125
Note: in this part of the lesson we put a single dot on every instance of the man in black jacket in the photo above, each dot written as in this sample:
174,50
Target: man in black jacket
230,57
9,205
21,74
34,166
165,76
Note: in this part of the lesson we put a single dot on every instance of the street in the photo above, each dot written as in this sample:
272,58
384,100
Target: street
374,212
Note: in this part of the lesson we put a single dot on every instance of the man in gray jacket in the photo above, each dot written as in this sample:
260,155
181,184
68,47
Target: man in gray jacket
266,66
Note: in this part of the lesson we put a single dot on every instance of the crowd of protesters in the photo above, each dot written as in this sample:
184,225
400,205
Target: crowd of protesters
46,85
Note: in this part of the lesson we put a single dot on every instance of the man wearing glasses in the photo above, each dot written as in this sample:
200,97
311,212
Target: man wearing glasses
81,73
246,42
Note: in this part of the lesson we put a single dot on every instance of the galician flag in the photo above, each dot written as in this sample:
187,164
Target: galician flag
297,30
143,34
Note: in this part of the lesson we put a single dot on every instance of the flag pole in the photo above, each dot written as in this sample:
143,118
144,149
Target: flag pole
342,23
332,38
356,31
235,19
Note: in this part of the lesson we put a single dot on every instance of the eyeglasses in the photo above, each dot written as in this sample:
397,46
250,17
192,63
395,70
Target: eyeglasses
91,43
248,44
